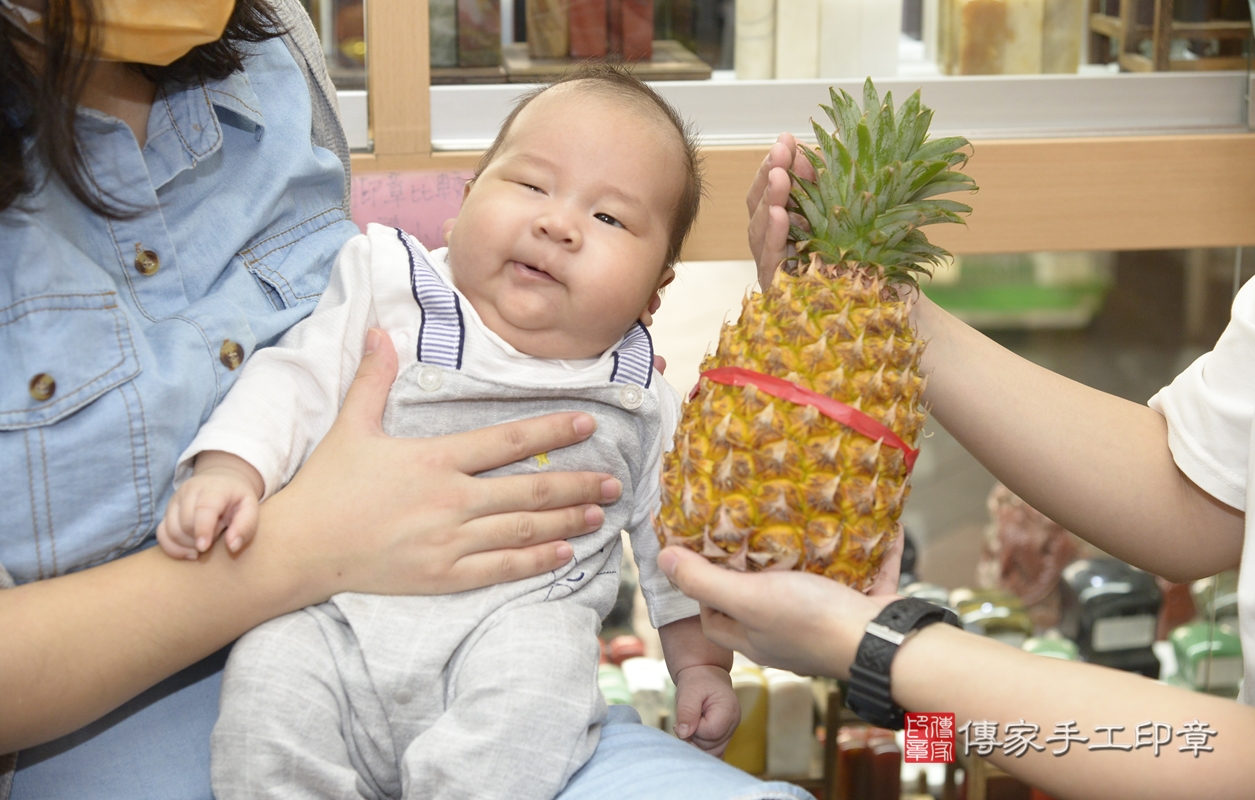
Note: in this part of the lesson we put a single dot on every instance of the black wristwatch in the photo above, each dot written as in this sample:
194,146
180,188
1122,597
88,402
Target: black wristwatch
868,694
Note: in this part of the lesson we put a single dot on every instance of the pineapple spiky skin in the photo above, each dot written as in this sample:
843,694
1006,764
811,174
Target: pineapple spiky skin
756,482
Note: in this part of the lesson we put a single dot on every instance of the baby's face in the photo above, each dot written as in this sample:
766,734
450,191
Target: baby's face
560,242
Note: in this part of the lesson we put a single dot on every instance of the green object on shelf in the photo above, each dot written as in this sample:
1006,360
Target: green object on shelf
1220,591
613,685
1052,647
1208,660
1025,290
1016,297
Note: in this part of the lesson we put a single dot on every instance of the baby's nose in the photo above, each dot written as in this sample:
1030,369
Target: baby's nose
560,227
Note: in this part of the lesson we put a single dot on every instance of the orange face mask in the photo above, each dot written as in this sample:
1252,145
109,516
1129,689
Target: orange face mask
154,32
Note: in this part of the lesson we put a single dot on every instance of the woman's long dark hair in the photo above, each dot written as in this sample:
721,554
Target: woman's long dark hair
41,85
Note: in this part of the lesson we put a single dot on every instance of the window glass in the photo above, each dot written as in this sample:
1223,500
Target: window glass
341,26
743,70
811,39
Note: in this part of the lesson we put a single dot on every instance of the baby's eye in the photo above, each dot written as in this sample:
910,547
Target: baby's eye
609,220
529,187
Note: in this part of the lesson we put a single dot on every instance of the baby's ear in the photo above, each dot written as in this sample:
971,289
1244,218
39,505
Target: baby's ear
449,223
655,302
668,275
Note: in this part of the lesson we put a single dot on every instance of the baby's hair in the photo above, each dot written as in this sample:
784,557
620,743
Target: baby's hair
618,83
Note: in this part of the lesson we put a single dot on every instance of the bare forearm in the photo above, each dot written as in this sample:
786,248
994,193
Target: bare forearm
814,626
944,669
684,645
1096,464
77,646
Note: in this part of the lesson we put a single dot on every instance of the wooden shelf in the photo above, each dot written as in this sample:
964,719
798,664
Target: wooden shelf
671,62
443,76
1128,35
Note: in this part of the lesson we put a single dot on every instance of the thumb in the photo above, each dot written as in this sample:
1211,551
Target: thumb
713,586
886,582
688,713
775,246
367,395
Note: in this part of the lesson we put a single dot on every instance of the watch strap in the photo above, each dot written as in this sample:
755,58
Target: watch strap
869,689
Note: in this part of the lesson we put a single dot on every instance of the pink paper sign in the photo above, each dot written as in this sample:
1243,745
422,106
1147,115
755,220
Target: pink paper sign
416,202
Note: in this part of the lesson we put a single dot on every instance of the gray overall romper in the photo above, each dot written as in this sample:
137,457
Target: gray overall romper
490,693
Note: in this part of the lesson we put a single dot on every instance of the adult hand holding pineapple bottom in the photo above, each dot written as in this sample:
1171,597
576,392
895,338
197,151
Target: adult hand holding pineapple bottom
795,451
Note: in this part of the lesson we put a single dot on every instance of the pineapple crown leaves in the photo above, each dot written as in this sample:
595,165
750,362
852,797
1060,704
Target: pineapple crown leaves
877,178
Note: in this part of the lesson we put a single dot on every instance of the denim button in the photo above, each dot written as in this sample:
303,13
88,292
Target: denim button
231,355
146,261
43,387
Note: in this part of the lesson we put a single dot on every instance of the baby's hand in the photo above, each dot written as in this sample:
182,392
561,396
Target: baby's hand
215,500
706,709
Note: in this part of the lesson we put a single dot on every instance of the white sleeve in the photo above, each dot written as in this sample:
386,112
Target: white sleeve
1210,408
666,603
288,395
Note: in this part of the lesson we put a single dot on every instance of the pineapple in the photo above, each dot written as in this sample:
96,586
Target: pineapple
796,448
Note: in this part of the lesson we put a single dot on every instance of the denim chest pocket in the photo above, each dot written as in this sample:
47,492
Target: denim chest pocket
292,264
72,445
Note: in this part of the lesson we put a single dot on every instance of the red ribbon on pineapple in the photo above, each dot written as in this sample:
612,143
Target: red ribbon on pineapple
833,409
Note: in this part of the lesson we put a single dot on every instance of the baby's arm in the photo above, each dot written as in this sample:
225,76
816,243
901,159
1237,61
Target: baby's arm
283,402
220,498
706,709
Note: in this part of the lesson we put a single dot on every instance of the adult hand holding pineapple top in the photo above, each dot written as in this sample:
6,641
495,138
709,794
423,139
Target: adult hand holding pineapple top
1100,466
795,451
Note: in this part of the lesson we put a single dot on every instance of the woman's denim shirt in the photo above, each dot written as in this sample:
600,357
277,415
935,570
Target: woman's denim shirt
118,337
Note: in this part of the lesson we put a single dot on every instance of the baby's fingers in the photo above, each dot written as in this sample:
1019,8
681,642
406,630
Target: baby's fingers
173,538
201,513
706,714
688,713
243,524
716,727
206,523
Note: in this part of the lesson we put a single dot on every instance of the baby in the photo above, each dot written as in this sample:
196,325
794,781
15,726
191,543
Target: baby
570,227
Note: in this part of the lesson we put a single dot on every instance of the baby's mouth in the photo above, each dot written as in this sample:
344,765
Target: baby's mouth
532,271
